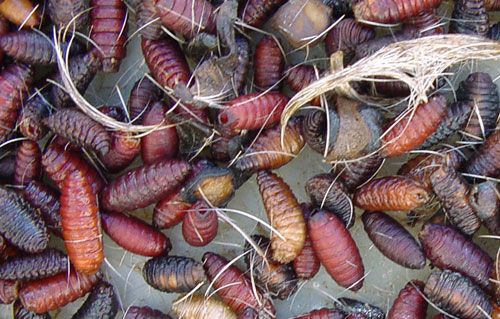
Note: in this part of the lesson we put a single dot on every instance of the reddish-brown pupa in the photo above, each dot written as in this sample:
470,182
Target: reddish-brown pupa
32,47
233,286
447,248
144,185
470,17
28,163
14,82
268,64
44,295
108,19
30,120
170,210
393,193
346,36
145,14
8,291
162,143
142,96
101,303
65,12
251,111
80,130
486,161
453,193
300,76
20,13
200,225
256,12
124,146
123,150
135,235
284,214
327,192
59,164
267,153
277,279
80,224
173,273
323,313
480,90
410,302
414,128
342,260
19,312
306,264
485,198
166,62
457,295
187,17
393,240
21,224
144,313
391,11
354,174
82,68
35,266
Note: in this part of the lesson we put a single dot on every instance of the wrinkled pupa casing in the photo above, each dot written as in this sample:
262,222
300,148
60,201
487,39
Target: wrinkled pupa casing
266,152
82,69
278,279
47,263
485,199
392,193
286,216
15,80
173,273
237,296
145,185
480,90
470,17
101,303
457,295
486,160
327,192
80,130
21,224
391,11
360,309
453,192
